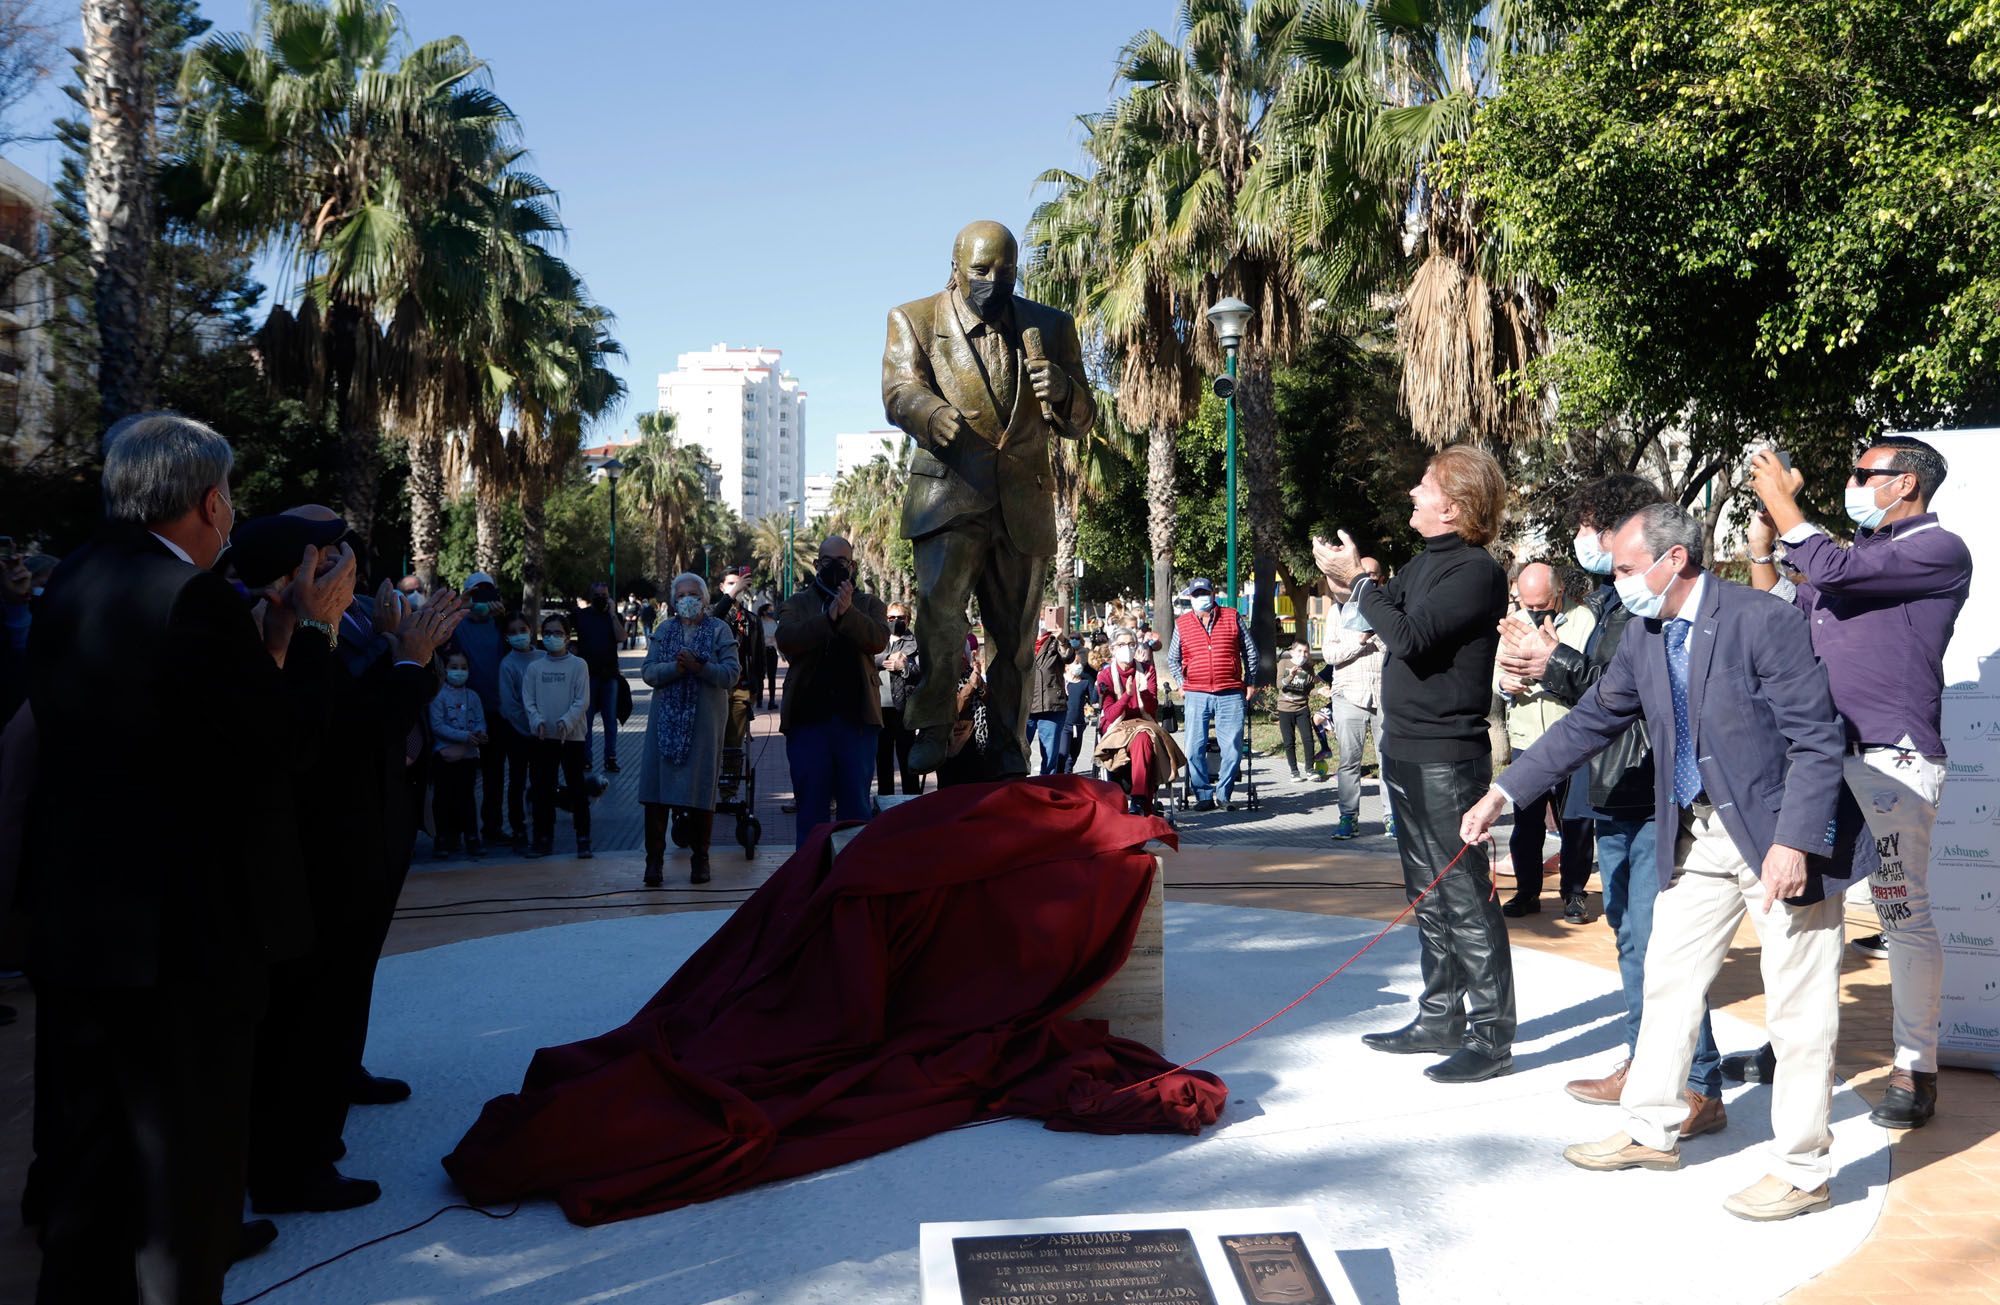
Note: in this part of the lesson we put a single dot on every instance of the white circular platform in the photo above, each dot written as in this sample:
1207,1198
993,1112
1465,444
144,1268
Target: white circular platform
1433,1194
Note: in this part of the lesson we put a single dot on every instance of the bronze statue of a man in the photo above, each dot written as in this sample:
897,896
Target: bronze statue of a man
981,378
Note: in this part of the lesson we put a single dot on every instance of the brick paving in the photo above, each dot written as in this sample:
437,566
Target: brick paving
1938,1238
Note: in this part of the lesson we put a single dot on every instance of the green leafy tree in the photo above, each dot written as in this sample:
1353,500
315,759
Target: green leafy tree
1775,226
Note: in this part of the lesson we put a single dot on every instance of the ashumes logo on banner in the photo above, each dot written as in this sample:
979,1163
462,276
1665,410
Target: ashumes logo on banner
1965,846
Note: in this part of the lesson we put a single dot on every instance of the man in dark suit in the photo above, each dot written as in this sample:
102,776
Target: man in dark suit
162,871
980,511
1748,775
309,1045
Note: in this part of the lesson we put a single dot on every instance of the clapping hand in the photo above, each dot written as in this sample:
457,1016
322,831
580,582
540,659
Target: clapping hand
323,586
420,634
842,600
687,662
1339,563
1524,649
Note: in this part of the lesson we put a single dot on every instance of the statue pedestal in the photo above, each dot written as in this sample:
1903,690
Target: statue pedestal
1134,1002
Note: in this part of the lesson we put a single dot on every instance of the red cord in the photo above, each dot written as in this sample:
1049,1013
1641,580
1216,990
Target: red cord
1301,999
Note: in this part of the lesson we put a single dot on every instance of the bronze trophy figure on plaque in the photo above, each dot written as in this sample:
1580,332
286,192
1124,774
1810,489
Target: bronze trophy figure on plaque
981,379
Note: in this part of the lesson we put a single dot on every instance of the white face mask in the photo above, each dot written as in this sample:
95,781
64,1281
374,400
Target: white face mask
688,605
1122,655
1590,554
1638,596
1202,602
1861,507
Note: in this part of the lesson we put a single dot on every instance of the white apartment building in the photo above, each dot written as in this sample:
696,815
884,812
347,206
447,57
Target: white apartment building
819,496
749,414
859,448
26,308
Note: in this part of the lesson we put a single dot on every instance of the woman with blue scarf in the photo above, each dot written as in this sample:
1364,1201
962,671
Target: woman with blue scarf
691,663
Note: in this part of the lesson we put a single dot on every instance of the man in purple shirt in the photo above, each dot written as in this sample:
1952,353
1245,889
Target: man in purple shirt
1881,613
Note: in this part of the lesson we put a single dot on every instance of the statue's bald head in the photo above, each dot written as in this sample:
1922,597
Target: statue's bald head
986,251
312,512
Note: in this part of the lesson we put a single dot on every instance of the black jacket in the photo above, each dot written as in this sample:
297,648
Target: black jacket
1621,776
749,631
355,869
1439,620
1046,695
162,839
598,634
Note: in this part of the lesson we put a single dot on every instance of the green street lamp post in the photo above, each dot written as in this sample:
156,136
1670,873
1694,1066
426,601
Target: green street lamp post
1079,595
791,551
1228,317
611,470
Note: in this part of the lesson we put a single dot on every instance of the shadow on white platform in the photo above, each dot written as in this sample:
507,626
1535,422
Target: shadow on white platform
1433,1194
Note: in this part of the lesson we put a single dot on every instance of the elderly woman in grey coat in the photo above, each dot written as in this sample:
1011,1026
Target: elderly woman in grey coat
691,662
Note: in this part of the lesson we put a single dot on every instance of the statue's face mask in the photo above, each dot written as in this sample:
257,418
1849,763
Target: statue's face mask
987,272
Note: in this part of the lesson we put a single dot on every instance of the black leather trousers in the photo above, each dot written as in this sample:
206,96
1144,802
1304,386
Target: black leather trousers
1468,971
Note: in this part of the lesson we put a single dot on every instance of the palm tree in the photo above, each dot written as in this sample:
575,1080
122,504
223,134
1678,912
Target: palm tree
1090,252
472,256
319,141
1383,90
664,477
867,509
118,95
771,537
1182,141
1084,469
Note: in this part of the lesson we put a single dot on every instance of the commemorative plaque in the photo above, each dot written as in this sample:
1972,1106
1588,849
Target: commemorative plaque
1082,1268
1190,1257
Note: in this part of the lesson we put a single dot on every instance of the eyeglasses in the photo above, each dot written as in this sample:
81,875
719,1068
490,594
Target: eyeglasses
1864,474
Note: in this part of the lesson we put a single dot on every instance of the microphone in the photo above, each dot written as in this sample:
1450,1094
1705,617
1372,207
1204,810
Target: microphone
1031,344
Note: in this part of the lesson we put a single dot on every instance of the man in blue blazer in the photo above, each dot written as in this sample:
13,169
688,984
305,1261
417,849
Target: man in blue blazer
1748,751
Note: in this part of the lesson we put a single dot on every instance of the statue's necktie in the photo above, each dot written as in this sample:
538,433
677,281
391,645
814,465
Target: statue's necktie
1687,776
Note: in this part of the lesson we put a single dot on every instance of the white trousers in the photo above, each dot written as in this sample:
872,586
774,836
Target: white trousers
1898,790
1694,921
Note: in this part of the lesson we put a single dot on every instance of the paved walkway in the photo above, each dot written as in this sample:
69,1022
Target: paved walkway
1291,813
1937,1240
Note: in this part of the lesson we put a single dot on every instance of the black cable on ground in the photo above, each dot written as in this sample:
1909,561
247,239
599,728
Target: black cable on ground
376,1241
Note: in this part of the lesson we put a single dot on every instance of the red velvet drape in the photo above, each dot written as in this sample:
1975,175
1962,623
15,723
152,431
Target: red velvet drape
917,983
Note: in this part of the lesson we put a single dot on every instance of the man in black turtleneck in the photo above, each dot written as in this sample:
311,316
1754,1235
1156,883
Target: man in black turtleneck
1438,621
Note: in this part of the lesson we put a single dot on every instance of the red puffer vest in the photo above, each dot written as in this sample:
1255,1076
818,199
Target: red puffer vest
1211,659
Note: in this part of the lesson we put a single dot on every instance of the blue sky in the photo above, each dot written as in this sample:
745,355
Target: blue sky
780,173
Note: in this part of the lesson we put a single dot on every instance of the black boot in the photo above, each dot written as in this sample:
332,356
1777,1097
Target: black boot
1469,1066
1413,1039
1759,1066
700,825
656,844
1910,1101
316,1191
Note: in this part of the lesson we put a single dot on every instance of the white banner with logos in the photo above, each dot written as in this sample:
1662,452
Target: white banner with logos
1965,848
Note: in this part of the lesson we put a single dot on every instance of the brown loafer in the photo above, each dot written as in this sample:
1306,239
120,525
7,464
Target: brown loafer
1600,1091
1771,1198
1705,1115
1619,1151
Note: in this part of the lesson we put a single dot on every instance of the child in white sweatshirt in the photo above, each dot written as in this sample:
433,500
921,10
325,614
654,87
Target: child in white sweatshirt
555,690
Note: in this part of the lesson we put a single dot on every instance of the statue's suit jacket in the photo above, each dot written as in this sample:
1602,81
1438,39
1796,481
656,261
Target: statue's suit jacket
929,364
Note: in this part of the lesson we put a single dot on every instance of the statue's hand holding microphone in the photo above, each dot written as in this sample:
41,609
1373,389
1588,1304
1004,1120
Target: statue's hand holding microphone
1052,386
